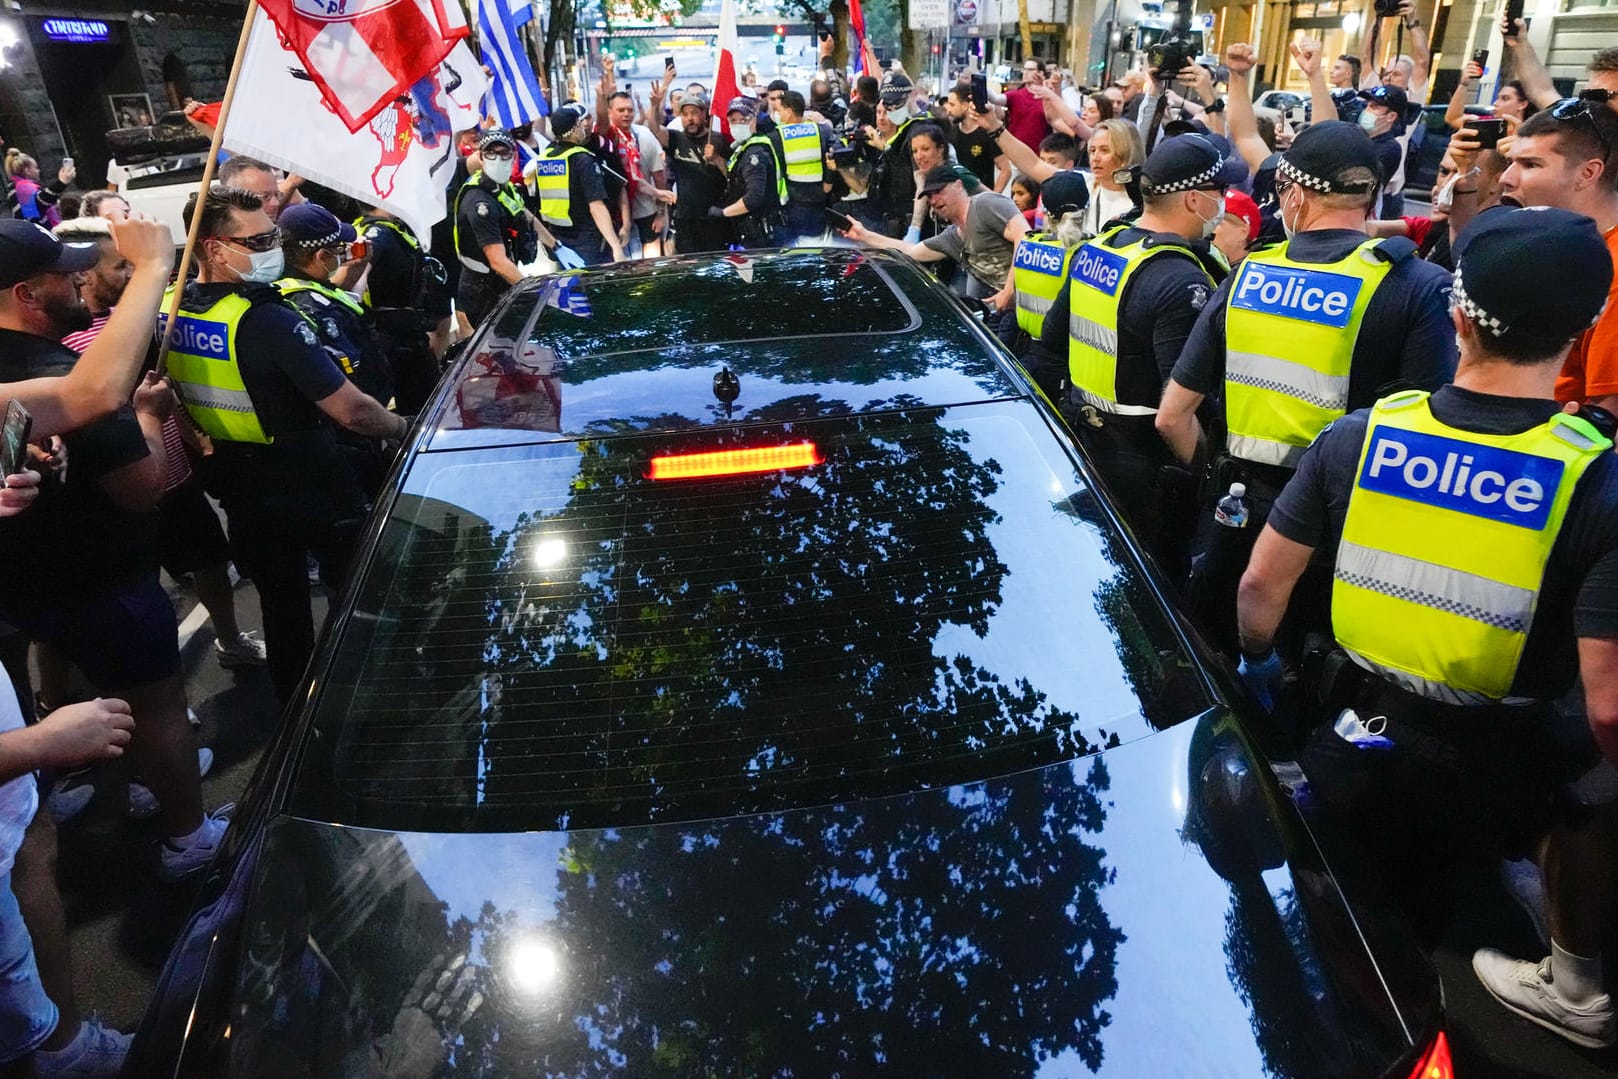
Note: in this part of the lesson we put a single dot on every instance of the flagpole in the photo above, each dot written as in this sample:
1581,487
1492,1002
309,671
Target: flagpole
208,169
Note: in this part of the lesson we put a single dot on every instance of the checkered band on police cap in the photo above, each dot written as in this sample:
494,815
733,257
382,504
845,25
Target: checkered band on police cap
496,136
1201,179
1292,174
1531,275
1472,310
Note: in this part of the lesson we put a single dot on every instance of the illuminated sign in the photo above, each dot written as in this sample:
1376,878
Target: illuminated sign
83,31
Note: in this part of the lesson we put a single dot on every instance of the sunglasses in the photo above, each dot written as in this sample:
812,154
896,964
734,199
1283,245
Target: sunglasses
259,242
1574,108
1597,96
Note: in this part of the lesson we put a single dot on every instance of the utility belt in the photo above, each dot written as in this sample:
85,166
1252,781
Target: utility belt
757,228
1263,482
401,321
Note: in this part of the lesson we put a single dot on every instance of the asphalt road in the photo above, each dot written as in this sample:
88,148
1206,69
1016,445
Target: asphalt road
122,920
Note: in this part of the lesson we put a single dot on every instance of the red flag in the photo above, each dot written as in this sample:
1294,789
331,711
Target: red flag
363,54
725,86
864,55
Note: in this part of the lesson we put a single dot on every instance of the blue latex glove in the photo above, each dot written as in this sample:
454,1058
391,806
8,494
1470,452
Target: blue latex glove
1263,677
913,235
567,258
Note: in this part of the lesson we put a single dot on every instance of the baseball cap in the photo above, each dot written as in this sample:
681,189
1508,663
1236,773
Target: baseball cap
309,225
1240,204
27,249
694,101
1182,163
565,119
1064,193
1560,252
744,105
497,136
1324,152
1389,96
895,89
938,177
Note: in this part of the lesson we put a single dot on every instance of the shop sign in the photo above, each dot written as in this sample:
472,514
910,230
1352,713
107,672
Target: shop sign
79,31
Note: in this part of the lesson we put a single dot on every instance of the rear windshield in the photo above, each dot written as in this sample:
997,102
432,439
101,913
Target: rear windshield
548,638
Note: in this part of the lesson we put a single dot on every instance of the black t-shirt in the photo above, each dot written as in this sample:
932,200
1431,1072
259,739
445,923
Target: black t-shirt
977,151
1160,305
395,279
283,365
74,541
697,184
1579,596
1406,336
1389,153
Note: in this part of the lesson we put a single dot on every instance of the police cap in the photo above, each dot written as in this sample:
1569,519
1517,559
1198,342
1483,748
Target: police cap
310,225
744,105
497,136
895,89
1182,163
565,119
1536,276
1323,156
1065,193
27,249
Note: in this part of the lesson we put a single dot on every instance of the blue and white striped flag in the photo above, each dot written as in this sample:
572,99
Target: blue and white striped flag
514,97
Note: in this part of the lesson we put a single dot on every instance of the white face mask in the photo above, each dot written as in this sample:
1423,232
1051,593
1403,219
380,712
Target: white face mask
1445,198
899,115
1210,225
264,266
1367,121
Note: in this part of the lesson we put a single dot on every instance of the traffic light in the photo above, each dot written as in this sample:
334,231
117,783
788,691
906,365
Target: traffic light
780,40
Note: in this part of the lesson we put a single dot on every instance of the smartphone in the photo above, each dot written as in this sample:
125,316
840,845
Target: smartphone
67,162
1490,131
1513,13
14,442
1480,57
668,64
980,91
841,222
825,35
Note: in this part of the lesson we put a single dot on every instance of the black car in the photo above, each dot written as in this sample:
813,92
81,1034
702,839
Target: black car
746,676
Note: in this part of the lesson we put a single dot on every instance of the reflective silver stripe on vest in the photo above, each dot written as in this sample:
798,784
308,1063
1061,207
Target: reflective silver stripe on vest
807,153
1285,377
472,263
1411,580
1433,691
1038,305
1264,451
1099,337
1101,404
195,393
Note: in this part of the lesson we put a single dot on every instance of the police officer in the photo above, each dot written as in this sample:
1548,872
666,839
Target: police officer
495,235
1039,275
758,185
315,245
254,378
402,305
1473,537
893,180
572,192
803,147
1304,331
1133,294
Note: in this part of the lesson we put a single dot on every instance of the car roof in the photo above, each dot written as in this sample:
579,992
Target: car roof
635,348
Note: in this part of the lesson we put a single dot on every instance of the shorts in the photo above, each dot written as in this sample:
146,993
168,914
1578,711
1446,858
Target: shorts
27,1016
122,639
189,535
644,228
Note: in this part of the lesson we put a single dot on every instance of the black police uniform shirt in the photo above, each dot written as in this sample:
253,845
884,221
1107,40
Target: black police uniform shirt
283,365
1405,340
1160,306
483,222
1579,597
586,183
698,185
350,343
754,180
75,541
395,278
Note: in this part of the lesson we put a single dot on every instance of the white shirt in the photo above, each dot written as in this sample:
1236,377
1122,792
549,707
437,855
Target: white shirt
19,798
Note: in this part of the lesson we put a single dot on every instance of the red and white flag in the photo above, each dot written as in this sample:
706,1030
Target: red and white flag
363,54
401,159
725,86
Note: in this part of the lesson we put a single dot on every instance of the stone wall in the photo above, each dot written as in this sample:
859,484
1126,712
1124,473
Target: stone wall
26,119
206,44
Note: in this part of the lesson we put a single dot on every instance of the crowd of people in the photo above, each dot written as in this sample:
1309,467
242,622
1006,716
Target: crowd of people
1373,450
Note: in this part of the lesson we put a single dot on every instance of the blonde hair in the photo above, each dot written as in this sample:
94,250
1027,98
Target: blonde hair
83,229
14,160
1124,139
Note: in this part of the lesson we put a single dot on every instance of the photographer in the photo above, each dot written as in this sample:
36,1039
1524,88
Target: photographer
1408,73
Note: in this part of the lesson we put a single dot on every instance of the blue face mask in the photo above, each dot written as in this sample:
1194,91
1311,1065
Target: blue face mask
1367,121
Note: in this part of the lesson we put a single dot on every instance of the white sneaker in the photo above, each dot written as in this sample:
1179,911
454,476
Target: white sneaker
1526,989
175,863
1524,883
95,1051
247,650
64,802
143,804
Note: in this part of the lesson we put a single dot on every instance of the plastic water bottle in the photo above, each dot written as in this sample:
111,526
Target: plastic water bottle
1232,511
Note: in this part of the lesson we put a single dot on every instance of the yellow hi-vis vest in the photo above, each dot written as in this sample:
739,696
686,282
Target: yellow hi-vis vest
805,157
202,366
1290,329
1445,544
1039,273
769,144
506,195
551,179
1100,275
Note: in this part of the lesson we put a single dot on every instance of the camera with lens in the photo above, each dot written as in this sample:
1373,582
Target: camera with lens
1387,9
1171,56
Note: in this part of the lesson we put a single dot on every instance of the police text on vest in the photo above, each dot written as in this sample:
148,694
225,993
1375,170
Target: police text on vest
1466,477
202,337
1039,258
1099,268
1308,295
